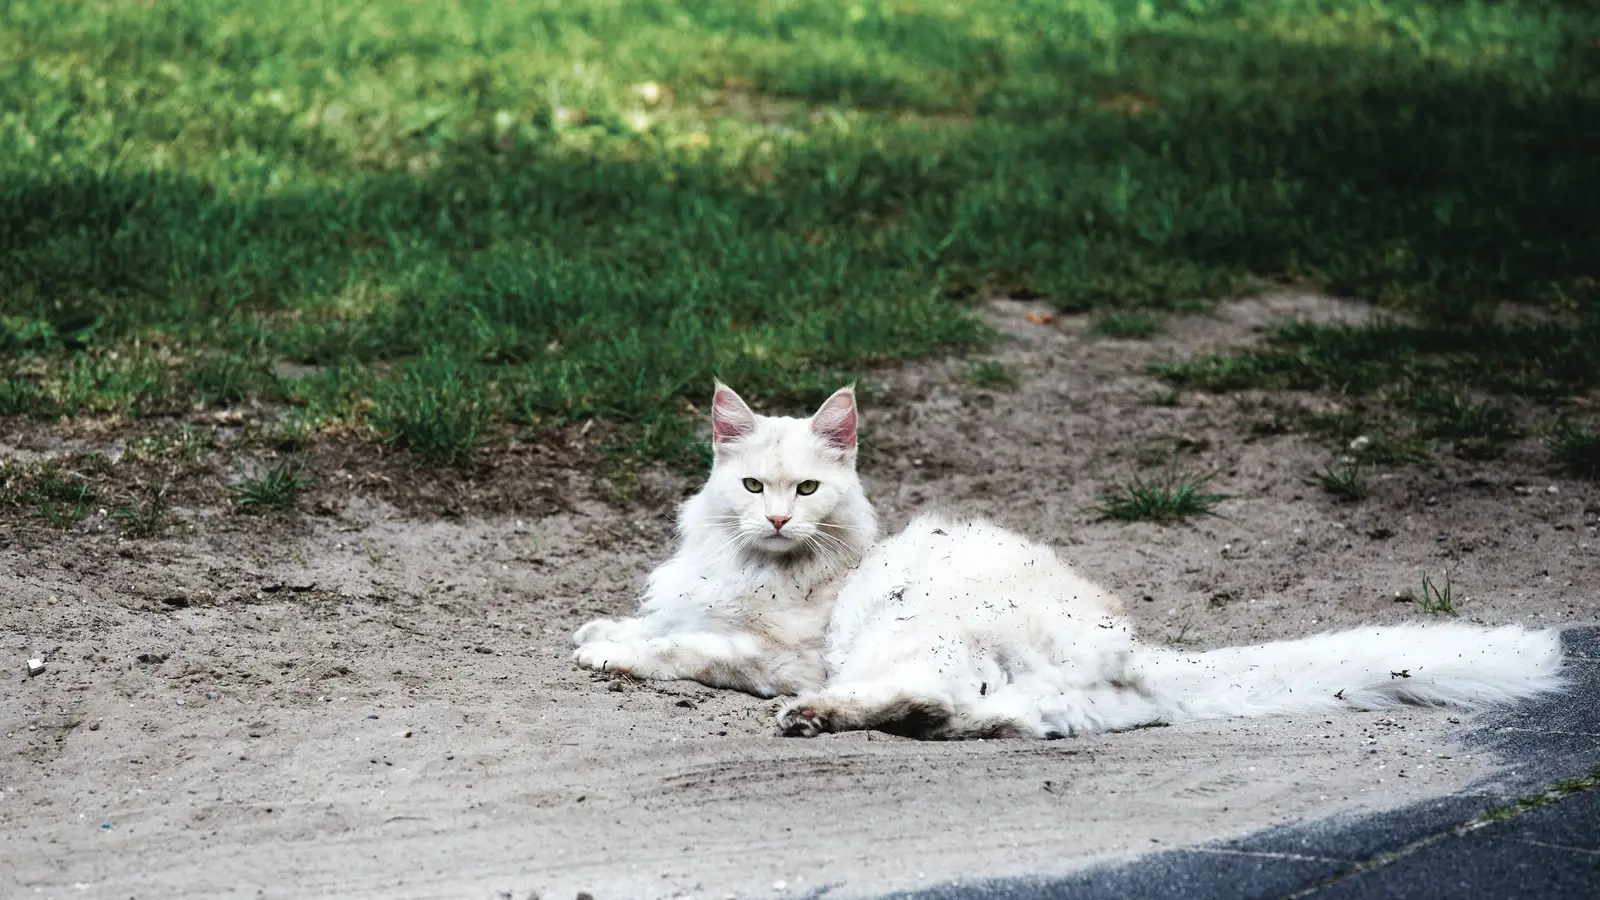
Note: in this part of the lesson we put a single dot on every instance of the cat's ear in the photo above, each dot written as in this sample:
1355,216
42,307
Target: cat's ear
731,417
835,420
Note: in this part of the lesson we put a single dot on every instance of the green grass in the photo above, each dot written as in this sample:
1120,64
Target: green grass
1167,498
1420,382
1577,448
61,501
438,409
1437,598
1126,324
144,519
991,373
442,222
277,486
1341,479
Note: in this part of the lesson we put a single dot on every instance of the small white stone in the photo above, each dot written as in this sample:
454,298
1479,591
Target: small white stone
779,885
1552,489
35,667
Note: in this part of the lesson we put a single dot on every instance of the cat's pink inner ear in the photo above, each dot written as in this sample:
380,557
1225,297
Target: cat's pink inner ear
835,421
731,417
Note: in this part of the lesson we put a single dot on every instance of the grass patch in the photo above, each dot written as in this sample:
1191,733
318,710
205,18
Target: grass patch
209,203
61,501
185,442
1478,430
1577,447
438,410
1168,498
1440,383
146,519
1342,479
991,373
278,486
1125,324
1437,599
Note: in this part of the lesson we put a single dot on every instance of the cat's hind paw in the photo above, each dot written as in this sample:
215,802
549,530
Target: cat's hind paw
804,718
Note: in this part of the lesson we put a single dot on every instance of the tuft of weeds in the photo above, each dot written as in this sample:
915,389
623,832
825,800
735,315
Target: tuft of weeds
1341,478
185,442
146,519
74,497
1480,430
1436,599
229,379
278,486
991,373
1168,498
1576,448
1126,324
1182,636
436,410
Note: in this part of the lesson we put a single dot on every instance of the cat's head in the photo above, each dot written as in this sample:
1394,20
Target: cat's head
780,485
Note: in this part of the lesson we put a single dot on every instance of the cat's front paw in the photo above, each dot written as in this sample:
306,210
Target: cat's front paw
607,656
596,630
804,718
627,629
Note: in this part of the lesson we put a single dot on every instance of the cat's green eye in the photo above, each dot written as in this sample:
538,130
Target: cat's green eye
752,485
806,488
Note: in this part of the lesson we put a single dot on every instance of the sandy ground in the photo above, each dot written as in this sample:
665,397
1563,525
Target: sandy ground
365,702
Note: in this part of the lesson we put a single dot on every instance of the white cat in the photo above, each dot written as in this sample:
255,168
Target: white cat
962,629
763,548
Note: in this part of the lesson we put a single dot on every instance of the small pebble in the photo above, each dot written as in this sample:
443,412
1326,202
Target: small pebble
180,702
372,715
614,686
94,726
35,668
211,695
779,885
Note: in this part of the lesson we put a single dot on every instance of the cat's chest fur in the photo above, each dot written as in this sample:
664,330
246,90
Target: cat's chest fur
786,603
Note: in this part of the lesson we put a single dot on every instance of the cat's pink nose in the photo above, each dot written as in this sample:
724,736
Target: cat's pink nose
777,522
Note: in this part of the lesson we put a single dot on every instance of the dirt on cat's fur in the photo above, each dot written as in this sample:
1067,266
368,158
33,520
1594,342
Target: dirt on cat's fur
361,700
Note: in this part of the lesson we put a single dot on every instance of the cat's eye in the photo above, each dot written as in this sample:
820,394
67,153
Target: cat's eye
806,488
752,485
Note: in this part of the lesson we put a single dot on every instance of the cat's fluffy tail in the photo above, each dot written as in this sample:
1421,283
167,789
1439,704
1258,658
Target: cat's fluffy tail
1446,664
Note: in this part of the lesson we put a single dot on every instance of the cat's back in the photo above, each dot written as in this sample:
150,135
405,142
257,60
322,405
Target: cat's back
946,566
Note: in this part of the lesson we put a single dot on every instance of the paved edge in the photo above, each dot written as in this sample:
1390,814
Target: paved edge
1423,850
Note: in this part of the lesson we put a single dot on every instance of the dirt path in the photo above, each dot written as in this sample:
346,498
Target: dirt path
368,704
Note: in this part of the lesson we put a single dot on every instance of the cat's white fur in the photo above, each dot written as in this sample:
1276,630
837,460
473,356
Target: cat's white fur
956,629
